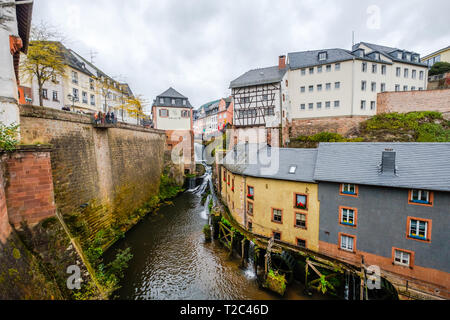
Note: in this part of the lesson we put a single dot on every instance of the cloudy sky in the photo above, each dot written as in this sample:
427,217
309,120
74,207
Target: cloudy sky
199,46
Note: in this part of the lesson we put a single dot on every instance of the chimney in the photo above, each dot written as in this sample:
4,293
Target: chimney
282,62
388,161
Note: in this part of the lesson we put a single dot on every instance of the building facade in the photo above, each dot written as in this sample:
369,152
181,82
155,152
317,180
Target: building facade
442,55
259,101
84,88
280,203
172,112
212,118
340,83
387,205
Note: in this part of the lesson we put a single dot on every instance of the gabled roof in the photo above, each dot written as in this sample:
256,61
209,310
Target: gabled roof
259,77
436,52
418,165
304,59
171,93
252,160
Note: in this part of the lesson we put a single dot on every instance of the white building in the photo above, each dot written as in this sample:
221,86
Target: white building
172,111
338,82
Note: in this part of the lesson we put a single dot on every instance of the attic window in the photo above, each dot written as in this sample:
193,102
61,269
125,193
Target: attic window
322,56
292,169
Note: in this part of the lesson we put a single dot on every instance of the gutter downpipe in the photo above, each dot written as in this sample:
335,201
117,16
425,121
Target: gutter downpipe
353,87
245,201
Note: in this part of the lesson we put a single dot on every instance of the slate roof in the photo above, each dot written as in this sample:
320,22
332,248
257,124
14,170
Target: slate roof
259,77
253,160
419,165
306,59
435,52
171,93
387,51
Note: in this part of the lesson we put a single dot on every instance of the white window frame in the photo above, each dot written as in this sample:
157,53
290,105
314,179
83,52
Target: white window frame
346,187
415,222
345,243
402,255
346,213
419,194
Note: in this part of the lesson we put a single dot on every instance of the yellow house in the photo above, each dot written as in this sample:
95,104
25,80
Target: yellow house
442,55
279,199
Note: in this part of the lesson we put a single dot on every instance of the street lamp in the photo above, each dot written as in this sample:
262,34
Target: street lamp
73,99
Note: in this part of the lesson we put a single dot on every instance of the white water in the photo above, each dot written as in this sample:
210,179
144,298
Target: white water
250,271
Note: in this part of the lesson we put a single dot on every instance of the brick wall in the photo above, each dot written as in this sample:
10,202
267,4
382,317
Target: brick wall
307,127
182,140
100,174
29,188
407,101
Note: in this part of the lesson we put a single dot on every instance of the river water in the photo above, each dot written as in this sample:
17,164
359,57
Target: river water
172,261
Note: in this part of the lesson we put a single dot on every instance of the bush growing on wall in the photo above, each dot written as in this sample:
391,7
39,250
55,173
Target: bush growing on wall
8,136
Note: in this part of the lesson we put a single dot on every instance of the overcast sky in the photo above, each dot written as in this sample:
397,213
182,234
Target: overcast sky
199,46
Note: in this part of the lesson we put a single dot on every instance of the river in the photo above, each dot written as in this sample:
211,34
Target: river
172,261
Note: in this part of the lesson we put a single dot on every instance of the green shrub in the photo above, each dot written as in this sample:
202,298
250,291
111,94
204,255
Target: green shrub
439,68
8,137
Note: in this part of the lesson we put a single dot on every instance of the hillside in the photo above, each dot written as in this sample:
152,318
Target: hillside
426,126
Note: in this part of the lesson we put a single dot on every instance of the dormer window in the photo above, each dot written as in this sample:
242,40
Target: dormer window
399,55
161,100
376,56
292,169
173,101
184,102
322,56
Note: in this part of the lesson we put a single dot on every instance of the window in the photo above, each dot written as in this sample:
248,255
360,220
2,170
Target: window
402,257
45,94
173,101
84,97
93,100
328,68
337,85
347,216
420,88
419,229
250,226
421,197
229,180
319,105
301,201
301,243
319,87
55,96
300,220
322,56
397,71
292,169
328,86
74,77
311,106
405,73
374,68
287,83
277,215
75,93
372,105
250,208
250,192
363,85
383,69
311,88
383,87
161,100
421,75
349,189
265,97
413,88
303,72
363,104
319,69
337,67
364,66
397,87
373,86
91,83
184,102
311,70
164,113
405,88
327,104
302,89
302,106
185,113
336,104
413,74
347,242
276,235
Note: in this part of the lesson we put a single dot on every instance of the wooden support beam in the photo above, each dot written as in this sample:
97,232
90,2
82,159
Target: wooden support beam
312,267
306,273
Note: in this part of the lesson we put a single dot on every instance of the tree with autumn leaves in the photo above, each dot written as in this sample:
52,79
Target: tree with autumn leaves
45,59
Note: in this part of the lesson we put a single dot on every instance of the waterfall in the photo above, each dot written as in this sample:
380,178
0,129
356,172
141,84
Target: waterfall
198,152
250,271
205,213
